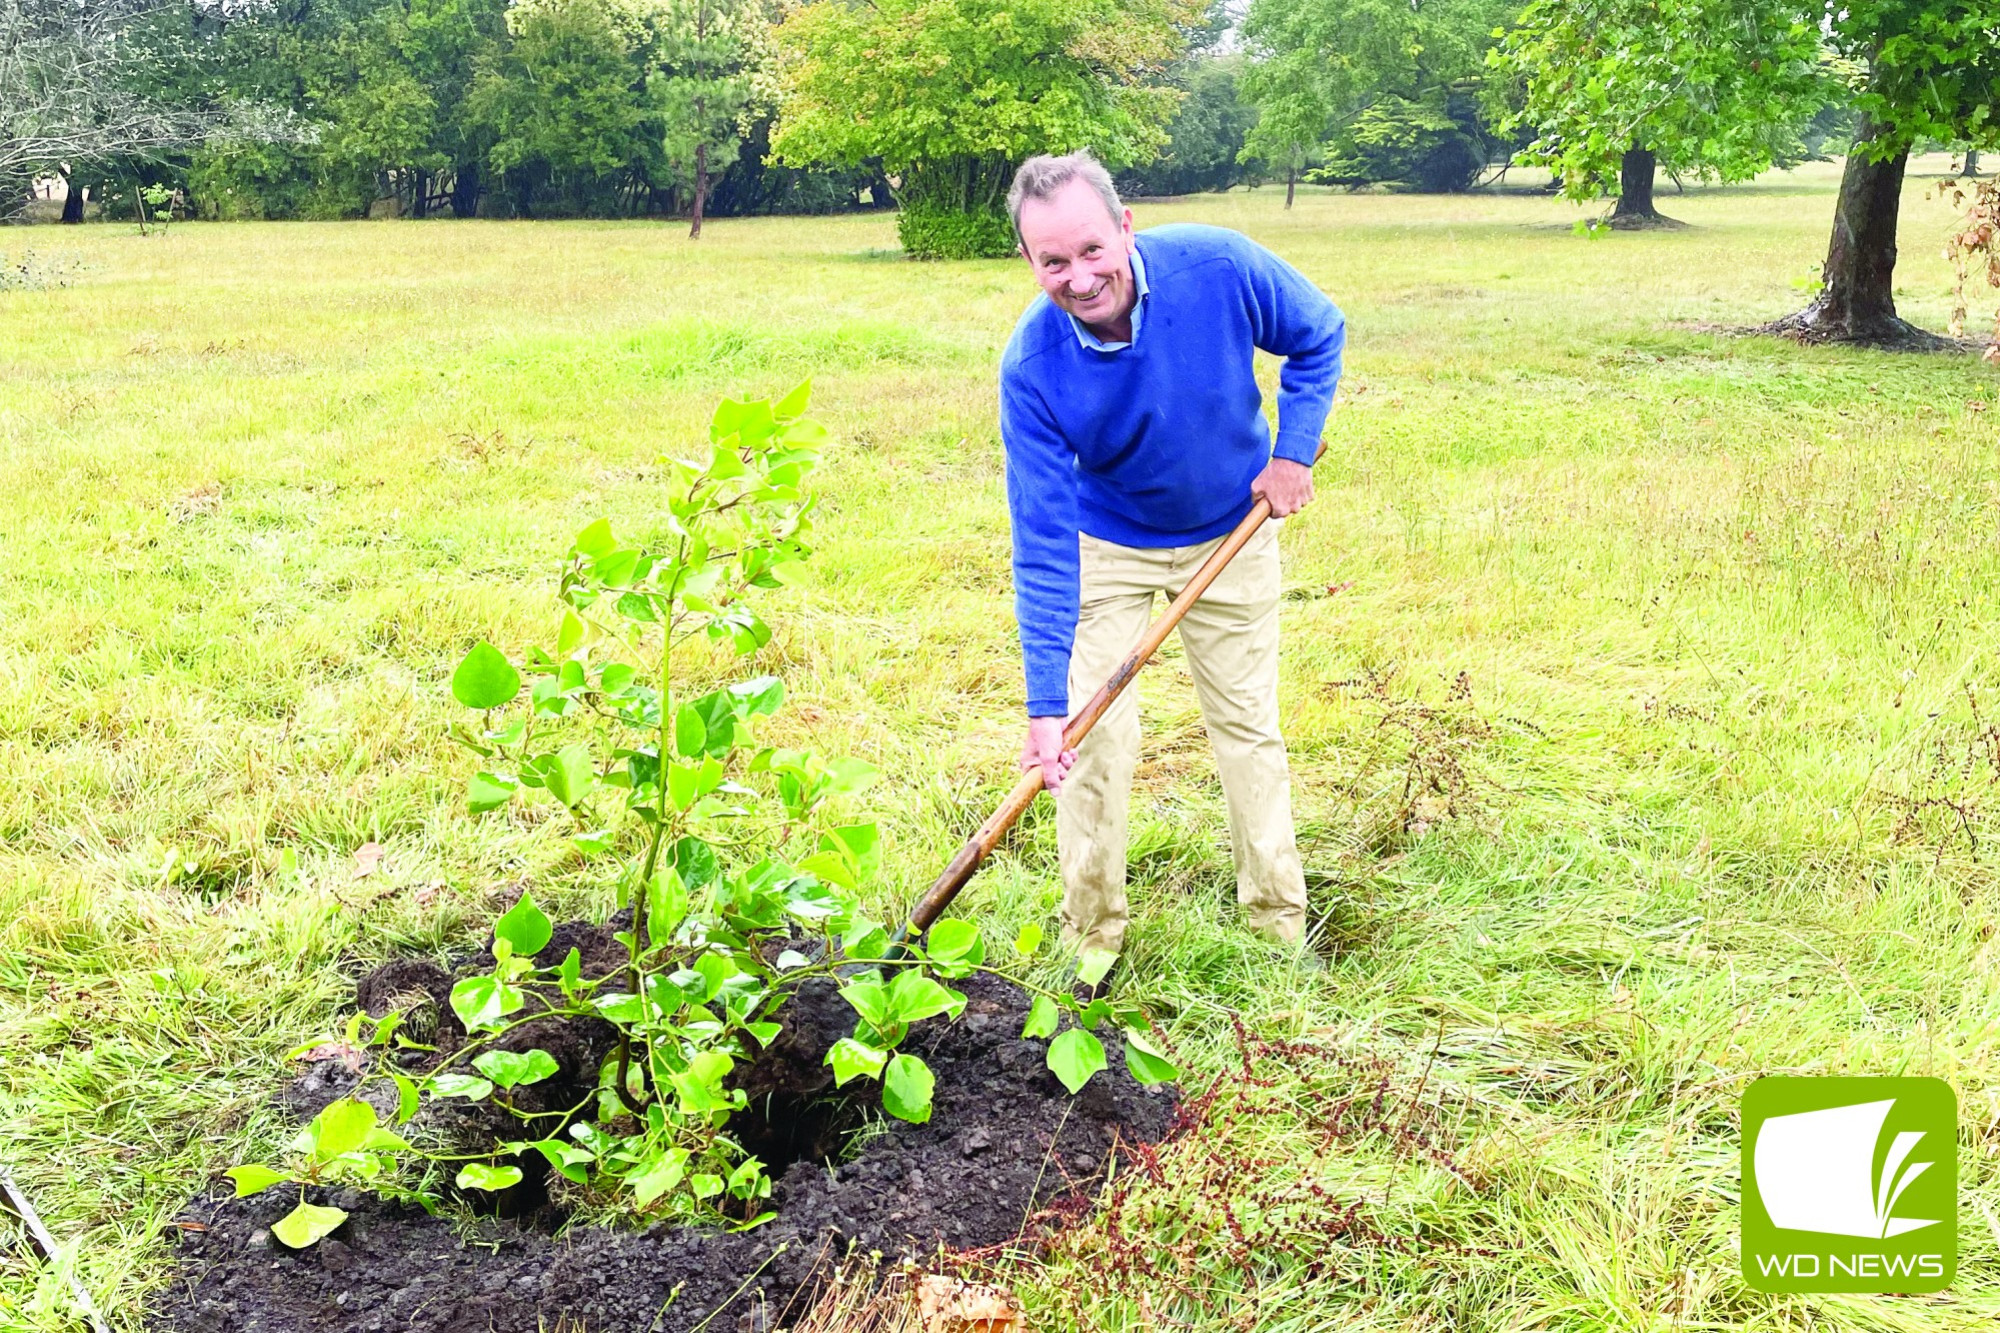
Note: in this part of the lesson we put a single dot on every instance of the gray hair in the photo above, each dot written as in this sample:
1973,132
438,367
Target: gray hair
1041,176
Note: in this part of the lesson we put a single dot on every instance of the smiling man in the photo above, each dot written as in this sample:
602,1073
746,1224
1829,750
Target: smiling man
1136,440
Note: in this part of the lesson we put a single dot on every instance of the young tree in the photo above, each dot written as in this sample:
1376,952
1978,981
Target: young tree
1617,89
1385,85
708,53
1932,71
951,94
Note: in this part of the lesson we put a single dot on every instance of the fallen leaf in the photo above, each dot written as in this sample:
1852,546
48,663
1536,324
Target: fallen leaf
334,1050
948,1305
367,857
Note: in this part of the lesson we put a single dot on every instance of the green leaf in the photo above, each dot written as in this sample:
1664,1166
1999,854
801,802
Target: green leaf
525,927
725,463
690,732
762,695
485,678
706,1185
511,1069
1042,1017
1094,965
765,1033
914,996
306,1224
489,791
955,943
406,1096
1145,1061
658,1176
906,1089
870,999
794,404
853,1059
253,1179
1074,1056
728,416
1029,940
341,1128
568,1160
481,1002
596,842
596,540
569,773
461,1085
480,1176
695,861
569,637
666,904
865,940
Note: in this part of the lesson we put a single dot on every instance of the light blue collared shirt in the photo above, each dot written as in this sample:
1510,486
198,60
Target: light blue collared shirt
1090,340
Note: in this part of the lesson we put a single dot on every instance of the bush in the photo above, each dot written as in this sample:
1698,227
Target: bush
933,231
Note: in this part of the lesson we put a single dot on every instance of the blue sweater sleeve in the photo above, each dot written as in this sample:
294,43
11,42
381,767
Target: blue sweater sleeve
1293,319
1041,504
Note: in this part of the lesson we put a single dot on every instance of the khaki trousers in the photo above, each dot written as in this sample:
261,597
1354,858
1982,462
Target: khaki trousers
1231,639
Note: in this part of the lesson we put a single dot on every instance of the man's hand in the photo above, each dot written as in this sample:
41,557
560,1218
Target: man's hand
1288,486
1044,746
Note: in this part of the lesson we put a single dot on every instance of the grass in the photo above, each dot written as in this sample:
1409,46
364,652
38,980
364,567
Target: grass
1639,681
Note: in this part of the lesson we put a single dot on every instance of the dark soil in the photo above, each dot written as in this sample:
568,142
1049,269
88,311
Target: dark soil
1004,1142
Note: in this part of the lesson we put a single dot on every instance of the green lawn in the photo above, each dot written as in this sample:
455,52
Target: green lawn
1686,640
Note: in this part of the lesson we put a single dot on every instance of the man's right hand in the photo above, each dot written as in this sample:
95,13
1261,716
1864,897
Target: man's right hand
1044,746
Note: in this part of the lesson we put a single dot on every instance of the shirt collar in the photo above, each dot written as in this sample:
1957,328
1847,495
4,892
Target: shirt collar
1091,341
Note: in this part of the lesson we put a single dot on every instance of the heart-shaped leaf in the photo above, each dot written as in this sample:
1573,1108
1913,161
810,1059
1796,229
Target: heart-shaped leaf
485,679
1074,1056
906,1089
306,1224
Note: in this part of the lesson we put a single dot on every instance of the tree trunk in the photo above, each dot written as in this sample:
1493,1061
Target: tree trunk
1635,209
465,190
1858,302
1291,184
700,188
72,200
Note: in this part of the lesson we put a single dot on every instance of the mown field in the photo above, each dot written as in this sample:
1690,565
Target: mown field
1641,682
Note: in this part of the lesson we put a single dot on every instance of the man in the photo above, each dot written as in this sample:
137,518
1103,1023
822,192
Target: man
1135,441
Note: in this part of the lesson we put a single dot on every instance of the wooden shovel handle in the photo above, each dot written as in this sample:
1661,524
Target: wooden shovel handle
981,844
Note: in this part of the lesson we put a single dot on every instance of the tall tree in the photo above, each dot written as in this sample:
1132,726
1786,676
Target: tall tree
1618,89
951,94
563,102
1382,87
709,53
1932,71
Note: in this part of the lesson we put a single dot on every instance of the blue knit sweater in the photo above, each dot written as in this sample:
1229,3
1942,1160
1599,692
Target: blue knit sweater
1153,443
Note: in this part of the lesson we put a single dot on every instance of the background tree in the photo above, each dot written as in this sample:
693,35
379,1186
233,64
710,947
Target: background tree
1204,139
1617,89
951,94
1388,90
709,52
563,104
1931,70
85,85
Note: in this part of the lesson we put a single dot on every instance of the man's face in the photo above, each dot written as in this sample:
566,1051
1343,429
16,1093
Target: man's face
1081,255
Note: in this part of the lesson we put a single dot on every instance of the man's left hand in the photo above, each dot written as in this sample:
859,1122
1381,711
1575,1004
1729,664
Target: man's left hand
1288,486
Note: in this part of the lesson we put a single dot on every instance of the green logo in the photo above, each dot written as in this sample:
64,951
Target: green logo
1850,1184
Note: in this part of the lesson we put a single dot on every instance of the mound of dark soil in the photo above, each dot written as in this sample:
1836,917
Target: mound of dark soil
1004,1141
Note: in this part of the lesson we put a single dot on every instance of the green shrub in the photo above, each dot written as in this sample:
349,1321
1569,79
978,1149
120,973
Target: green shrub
932,231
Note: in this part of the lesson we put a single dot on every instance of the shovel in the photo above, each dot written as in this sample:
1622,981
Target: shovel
13,1200
981,844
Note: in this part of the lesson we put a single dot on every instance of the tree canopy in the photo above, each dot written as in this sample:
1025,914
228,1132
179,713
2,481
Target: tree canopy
1708,89
951,94
1381,89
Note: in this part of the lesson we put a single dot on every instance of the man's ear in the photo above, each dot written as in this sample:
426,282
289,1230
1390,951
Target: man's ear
1125,223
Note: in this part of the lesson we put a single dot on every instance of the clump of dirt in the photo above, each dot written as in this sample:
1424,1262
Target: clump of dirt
1005,1143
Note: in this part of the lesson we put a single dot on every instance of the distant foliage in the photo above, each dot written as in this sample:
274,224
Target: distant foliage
1205,138
1714,89
1373,90
949,95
